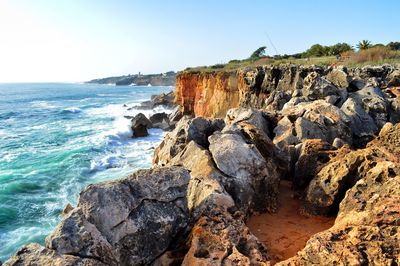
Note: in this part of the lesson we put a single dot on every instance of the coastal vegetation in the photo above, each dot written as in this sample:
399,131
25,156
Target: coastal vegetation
365,53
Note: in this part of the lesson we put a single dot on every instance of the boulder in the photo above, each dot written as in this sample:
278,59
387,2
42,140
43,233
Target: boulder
160,120
197,129
165,99
312,120
314,154
235,116
328,188
130,221
394,79
140,124
175,115
206,185
339,77
253,180
374,102
35,254
317,87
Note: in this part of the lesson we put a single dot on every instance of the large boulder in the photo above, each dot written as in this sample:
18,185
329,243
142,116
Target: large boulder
314,154
35,254
206,185
339,77
160,120
197,129
317,87
312,120
253,180
140,124
328,188
130,221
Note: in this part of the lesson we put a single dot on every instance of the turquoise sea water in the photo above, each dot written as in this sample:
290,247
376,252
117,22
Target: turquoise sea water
54,140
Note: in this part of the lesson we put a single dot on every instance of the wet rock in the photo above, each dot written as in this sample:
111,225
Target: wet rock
197,129
140,124
130,221
175,115
165,99
67,209
34,254
160,120
254,180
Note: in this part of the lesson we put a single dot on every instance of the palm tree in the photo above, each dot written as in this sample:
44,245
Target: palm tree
364,45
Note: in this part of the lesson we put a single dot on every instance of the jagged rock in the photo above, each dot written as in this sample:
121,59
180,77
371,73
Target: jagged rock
223,239
175,115
163,99
327,189
374,103
314,154
316,87
253,180
166,100
206,185
394,79
249,115
339,77
362,125
160,120
197,129
366,229
35,254
338,143
130,221
67,209
140,124
311,120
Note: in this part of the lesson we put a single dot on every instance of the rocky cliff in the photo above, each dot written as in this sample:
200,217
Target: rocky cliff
212,94
332,133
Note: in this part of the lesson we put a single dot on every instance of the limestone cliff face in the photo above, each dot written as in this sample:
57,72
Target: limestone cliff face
212,94
208,94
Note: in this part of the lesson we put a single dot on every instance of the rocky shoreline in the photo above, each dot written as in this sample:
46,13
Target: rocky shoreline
332,132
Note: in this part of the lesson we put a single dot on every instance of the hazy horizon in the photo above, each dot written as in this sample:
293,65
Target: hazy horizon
76,41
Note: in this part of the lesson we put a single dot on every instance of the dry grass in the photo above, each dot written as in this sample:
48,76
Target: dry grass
372,56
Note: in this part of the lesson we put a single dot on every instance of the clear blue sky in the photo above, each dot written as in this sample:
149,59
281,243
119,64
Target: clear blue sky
75,40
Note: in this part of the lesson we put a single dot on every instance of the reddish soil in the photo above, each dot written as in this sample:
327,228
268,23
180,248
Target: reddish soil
286,232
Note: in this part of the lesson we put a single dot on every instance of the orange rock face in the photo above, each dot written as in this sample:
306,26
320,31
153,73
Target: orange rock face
209,94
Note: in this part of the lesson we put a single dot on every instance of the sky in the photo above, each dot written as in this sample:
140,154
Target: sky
75,40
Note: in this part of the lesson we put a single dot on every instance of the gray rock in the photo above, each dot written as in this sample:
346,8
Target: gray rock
130,221
34,254
253,180
160,120
339,77
316,87
197,129
140,124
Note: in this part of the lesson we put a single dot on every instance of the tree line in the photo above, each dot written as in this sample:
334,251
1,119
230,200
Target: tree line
318,50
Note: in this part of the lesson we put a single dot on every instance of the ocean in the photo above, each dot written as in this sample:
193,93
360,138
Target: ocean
55,139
